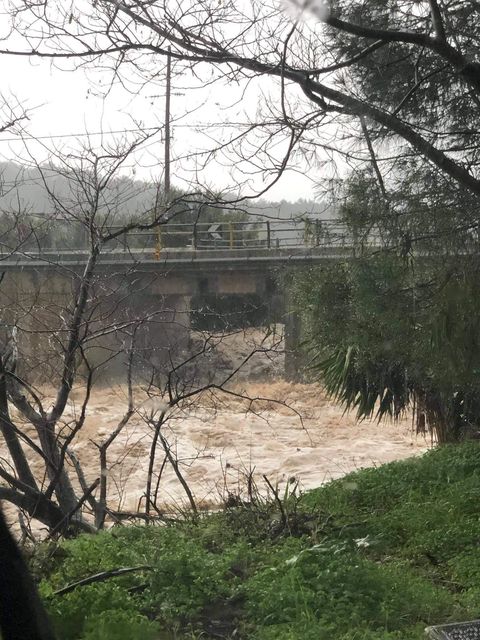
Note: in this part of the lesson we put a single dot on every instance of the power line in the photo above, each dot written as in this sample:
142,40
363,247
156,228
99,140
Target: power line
79,135
84,134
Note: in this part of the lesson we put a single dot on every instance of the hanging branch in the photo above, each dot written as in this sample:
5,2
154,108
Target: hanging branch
373,158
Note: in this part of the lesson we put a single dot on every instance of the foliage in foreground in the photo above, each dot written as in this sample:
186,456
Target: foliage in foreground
386,335
381,554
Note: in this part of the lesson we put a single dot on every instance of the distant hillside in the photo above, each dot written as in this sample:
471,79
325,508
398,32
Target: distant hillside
47,191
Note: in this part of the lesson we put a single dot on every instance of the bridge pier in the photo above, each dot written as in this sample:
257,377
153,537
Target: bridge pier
120,306
293,354
159,326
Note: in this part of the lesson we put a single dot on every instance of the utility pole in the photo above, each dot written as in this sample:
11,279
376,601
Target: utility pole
167,125
166,177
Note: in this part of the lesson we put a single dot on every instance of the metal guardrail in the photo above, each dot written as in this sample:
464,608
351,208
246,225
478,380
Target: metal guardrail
47,235
228,242
269,234
223,235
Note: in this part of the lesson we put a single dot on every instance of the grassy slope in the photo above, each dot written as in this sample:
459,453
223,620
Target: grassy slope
379,554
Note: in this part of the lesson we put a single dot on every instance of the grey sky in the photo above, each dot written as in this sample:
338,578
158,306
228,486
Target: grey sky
65,103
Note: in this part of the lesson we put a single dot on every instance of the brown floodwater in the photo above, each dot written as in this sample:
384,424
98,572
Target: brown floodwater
285,431
297,433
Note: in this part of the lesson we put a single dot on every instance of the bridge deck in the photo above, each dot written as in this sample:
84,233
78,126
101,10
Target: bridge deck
180,258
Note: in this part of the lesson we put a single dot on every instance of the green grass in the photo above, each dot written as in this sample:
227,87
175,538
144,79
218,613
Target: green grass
377,555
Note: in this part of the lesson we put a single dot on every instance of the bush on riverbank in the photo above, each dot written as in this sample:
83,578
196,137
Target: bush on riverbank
379,554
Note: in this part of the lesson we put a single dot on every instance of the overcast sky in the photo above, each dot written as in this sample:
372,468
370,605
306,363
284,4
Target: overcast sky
63,104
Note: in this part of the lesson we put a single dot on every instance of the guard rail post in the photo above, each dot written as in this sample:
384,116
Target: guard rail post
194,236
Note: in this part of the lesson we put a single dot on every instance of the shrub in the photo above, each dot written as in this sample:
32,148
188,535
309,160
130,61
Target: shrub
386,552
339,589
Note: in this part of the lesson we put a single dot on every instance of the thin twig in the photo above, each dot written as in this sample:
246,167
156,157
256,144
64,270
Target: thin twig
101,577
278,501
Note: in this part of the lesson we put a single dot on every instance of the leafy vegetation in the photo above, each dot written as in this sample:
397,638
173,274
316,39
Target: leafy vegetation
378,554
386,333
398,327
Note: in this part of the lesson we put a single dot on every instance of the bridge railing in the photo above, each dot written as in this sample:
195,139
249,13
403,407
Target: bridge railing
67,236
228,235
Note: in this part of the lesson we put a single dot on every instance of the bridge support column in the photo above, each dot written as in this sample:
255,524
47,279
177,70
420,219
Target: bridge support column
166,335
161,325
293,354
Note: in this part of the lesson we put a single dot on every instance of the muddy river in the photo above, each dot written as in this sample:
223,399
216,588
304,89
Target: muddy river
219,440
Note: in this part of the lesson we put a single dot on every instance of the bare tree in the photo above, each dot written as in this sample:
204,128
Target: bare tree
81,310
401,71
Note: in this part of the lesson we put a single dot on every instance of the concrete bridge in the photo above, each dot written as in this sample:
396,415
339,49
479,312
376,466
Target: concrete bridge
218,257
166,275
